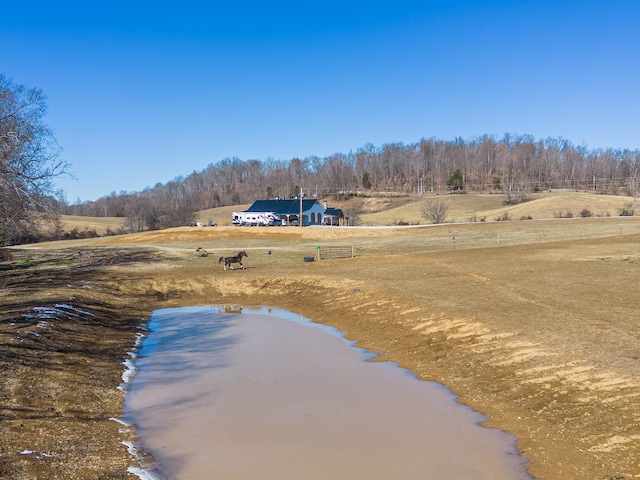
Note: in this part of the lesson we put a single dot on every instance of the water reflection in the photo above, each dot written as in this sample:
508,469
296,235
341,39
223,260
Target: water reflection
189,338
261,395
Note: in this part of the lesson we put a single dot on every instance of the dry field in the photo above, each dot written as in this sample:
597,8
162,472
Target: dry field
533,323
100,224
488,207
385,211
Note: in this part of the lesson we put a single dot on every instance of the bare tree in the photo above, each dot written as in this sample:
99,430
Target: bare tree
352,216
29,161
633,164
435,211
517,165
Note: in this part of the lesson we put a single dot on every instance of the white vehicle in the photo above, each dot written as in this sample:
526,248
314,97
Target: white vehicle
261,219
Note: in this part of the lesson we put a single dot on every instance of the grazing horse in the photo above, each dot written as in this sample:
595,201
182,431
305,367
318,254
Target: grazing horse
237,259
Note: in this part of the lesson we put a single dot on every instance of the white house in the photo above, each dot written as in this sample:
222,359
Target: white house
313,212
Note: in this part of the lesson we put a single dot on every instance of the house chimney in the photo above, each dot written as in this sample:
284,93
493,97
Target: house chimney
326,205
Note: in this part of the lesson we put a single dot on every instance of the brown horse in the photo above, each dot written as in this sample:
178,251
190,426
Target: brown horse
237,259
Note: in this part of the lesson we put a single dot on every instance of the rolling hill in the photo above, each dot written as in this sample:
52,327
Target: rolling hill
394,210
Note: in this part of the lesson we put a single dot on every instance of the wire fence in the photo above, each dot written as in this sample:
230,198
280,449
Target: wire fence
494,234
324,243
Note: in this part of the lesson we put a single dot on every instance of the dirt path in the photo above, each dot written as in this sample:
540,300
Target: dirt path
531,336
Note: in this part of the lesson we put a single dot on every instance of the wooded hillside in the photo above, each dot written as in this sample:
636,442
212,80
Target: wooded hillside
514,165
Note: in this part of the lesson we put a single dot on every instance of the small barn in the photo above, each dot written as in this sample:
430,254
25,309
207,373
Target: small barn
313,212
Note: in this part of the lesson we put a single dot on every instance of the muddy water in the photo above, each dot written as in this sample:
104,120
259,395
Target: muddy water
267,395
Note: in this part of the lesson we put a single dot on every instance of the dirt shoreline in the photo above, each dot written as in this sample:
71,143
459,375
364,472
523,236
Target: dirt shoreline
544,372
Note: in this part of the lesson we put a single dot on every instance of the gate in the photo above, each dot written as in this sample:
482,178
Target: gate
325,253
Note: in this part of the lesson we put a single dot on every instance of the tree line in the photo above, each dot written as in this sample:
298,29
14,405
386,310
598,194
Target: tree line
514,165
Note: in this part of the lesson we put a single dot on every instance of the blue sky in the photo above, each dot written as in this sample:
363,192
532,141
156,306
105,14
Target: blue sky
142,92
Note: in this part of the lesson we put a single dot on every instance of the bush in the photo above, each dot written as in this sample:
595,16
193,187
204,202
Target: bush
627,211
435,211
586,213
569,214
108,232
76,234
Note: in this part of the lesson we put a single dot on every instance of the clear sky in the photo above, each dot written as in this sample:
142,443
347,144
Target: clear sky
141,92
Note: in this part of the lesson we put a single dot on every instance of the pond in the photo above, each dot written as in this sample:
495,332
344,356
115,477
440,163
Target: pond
262,393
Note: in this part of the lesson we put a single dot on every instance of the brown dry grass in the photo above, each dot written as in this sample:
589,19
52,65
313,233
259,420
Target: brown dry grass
220,215
100,224
386,211
475,207
533,323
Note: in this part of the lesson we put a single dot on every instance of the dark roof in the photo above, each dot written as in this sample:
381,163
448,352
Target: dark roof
333,212
281,207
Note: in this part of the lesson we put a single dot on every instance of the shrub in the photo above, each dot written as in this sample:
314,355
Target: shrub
627,211
76,234
569,214
109,232
435,211
586,213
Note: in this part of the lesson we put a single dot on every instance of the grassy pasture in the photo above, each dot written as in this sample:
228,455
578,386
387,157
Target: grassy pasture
475,207
291,243
220,215
532,322
99,224
387,211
